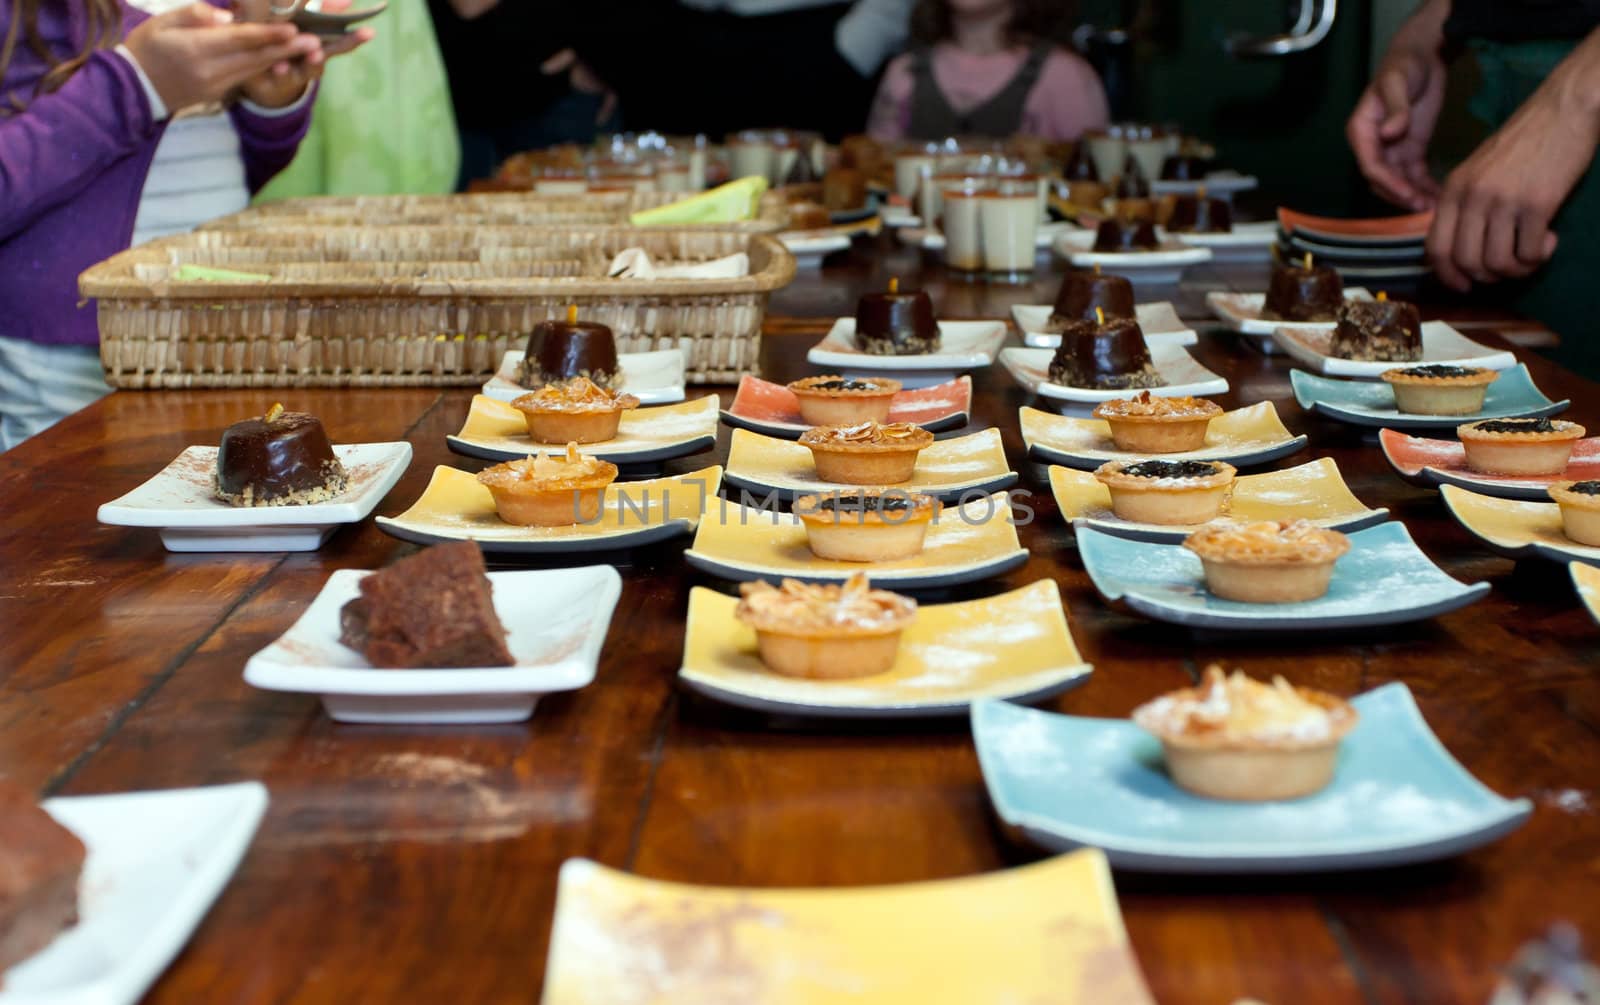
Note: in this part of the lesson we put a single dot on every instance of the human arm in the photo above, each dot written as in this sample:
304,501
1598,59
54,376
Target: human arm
890,117
1494,215
1394,118
871,31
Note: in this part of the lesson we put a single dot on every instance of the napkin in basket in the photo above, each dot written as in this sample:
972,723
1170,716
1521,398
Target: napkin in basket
635,263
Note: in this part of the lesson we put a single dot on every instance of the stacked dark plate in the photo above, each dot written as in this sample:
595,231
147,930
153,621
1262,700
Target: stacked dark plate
1381,253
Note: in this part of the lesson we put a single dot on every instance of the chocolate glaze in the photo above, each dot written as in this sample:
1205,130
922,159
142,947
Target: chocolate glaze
1540,425
1387,330
1132,184
1112,356
1192,214
1125,235
1300,294
896,324
865,503
1171,469
561,350
1082,292
1080,167
843,384
1588,488
276,459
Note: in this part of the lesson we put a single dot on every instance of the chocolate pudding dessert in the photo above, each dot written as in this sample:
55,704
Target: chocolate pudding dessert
1200,214
1111,356
896,323
561,350
1120,236
1378,330
1303,291
1086,296
278,459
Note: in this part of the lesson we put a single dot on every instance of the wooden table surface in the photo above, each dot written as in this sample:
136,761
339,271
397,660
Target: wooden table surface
402,864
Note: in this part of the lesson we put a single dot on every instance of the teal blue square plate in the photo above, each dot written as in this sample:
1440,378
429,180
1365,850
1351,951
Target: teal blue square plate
1385,579
1398,797
1371,403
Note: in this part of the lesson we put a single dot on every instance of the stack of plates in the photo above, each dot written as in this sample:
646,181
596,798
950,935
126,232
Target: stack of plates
1377,251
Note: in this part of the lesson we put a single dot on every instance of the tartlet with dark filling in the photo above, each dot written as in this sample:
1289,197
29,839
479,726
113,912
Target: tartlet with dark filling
866,525
1439,388
1580,510
832,400
1174,493
1519,446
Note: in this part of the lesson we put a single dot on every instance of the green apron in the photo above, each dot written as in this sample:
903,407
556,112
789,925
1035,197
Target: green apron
382,122
1565,293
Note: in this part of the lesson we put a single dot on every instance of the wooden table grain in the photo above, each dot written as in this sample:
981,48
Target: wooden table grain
410,864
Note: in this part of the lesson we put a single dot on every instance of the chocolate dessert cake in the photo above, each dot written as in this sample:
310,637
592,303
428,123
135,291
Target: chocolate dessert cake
431,609
1132,184
1383,330
278,459
1303,291
896,323
1118,236
40,862
1200,214
1109,356
1082,294
1080,166
561,350
1182,167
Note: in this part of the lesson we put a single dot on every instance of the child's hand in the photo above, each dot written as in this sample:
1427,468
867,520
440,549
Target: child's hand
284,82
196,54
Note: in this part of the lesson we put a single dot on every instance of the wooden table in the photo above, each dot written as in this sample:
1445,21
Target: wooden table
419,864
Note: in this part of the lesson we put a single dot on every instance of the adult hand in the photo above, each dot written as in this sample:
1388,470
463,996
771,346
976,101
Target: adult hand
197,54
1393,121
1493,220
583,79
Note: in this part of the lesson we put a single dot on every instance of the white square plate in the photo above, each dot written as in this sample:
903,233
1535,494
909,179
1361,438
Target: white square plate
1162,267
810,249
1159,322
965,345
1440,344
1182,372
179,501
157,861
1246,242
655,378
1219,183
555,620
1242,312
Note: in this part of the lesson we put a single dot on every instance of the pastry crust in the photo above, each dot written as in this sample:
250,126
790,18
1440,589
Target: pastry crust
866,453
573,411
868,525
1580,510
1519,446
1236,738
1174,500
832,400
825,631
1434,389
1271,562
540,491
1150,425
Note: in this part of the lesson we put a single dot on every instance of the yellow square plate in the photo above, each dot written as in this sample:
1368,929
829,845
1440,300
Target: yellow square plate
1587,579
1047,932
1244,436
1014,646
1313,491
948,469
965,544
495,431
1515,528
455,507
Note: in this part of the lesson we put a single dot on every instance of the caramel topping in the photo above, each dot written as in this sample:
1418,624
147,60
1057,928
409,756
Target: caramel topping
1235,707
806,607
541,471
1268,541
1146,404
579,394
865,432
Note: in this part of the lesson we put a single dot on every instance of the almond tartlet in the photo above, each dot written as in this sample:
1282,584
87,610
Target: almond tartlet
866,525
573,411
1149,425
549,491
1439,389
825,631
1519,446
1236,738
832,400
867,453
1580,510
1167,492
1272,562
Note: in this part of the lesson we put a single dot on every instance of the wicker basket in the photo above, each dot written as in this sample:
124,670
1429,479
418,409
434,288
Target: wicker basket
486,210
398,306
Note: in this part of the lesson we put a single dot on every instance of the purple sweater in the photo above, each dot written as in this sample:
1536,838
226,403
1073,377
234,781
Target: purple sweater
72,168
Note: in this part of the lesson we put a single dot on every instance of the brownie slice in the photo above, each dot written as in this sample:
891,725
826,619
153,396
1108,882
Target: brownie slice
40,862
431,609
